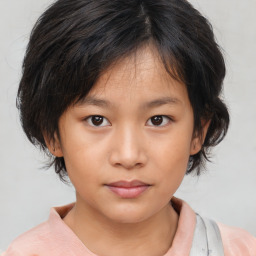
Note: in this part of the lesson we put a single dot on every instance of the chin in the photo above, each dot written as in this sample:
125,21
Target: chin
128,215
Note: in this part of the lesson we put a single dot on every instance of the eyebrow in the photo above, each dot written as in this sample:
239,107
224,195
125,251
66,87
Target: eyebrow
90,100
161,101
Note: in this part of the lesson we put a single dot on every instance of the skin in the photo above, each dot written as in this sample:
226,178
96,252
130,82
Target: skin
128,145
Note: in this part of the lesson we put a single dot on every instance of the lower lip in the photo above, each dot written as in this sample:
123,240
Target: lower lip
131,192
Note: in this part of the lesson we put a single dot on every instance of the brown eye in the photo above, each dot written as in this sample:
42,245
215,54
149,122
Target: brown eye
97,121
159,120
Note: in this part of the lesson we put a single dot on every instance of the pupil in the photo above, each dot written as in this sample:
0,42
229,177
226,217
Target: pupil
97,120
157,120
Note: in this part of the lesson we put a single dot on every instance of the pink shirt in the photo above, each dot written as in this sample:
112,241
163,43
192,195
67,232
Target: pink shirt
55,238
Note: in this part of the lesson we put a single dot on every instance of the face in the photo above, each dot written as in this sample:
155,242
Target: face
126,145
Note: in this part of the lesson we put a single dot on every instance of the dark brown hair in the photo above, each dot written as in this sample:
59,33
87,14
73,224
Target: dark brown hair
74,41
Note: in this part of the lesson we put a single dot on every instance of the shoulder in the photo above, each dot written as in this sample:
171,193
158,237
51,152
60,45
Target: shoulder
48,238
32,241
237,242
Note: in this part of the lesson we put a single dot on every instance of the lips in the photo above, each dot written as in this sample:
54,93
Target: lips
128,189
128,184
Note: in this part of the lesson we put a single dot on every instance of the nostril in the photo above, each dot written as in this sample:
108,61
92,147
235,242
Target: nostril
129,166
127,151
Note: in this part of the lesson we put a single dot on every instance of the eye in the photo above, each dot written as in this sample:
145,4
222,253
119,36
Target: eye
159,120
97,121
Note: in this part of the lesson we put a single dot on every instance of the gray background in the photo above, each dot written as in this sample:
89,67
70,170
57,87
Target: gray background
226,193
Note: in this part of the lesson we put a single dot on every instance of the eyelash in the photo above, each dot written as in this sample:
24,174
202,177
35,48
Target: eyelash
163,116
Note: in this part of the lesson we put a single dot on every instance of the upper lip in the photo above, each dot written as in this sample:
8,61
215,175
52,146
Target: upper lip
128,184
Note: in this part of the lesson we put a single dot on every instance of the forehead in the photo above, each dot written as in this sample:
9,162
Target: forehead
138,77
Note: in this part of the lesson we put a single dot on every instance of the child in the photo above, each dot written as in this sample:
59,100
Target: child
125,96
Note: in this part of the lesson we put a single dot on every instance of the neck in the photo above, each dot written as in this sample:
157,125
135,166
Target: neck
102,236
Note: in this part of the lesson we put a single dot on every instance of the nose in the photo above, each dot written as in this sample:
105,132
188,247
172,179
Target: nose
128,150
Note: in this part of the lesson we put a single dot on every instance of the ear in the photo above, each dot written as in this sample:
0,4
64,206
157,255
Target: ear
54,145
198,139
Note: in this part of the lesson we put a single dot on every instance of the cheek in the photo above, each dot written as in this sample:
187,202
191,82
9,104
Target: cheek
83,165
171,159
173,150
82,161
82,156
80,146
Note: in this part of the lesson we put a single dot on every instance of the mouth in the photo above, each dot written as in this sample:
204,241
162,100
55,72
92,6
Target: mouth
128,189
